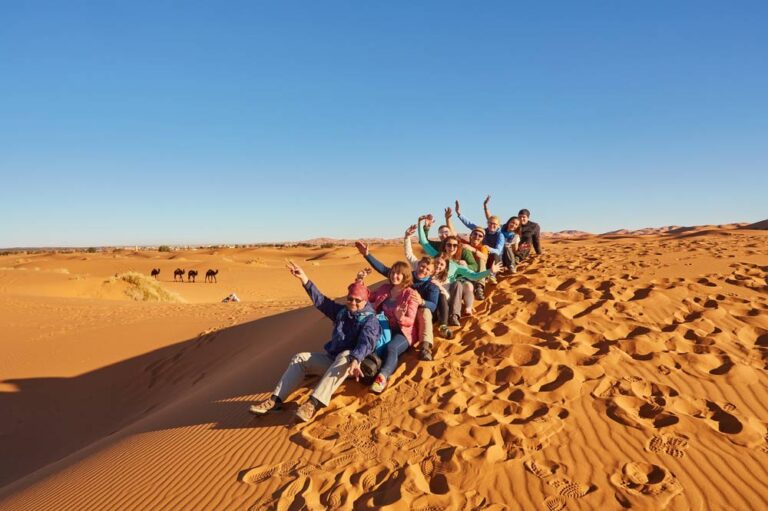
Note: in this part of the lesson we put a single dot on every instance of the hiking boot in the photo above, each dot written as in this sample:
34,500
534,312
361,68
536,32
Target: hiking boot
492,280
454,320
479,292
426,351
379,384
307,411
445,332
264,407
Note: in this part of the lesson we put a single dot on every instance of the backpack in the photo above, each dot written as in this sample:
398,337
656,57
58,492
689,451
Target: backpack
370,367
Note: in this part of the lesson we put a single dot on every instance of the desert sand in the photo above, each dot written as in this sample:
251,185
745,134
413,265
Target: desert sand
613,372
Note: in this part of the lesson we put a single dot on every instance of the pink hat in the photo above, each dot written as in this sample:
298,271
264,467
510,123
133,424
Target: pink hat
358,290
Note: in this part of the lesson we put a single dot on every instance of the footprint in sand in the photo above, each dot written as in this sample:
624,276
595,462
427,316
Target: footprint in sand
260,474
674,445
645,480
549,472
554,503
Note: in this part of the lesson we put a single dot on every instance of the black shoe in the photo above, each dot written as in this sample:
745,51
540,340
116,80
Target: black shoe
426,352
446,332
479,292
454,320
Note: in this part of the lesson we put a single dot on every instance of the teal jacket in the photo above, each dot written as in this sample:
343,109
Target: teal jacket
455,270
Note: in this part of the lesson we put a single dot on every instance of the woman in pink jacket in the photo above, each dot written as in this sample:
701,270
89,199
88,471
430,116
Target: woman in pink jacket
400,303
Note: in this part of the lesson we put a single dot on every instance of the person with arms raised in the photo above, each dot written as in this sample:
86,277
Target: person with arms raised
356,331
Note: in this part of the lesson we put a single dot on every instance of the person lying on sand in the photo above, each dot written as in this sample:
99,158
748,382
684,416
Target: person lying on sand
355,333
399,302
422,283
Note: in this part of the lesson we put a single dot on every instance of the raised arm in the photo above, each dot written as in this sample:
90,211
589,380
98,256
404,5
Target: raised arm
362,247
324,304
485,208
423,241
408,246
449,222
464,221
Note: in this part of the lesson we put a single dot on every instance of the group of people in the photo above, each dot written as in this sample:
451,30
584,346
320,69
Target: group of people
422,295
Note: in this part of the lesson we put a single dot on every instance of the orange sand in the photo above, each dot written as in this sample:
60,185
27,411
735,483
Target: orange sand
613,372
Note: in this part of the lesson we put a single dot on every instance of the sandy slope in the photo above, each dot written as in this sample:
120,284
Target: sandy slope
613,372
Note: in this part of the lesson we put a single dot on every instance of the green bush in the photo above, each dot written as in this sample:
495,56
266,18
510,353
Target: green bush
91,250
164,248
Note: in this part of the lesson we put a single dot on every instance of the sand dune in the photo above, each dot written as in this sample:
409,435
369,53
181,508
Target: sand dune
613,372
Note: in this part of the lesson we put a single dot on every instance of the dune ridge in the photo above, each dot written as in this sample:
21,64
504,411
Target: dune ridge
611,372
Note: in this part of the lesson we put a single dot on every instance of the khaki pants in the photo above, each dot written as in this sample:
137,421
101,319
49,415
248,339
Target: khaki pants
424,318
334,371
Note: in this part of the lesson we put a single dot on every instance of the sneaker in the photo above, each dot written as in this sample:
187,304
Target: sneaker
445,332
307,411
264,407
492,280
426,351
454,320
379,384
479,292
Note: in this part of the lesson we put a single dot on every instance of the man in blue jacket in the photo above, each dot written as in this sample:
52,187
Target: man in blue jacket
355,333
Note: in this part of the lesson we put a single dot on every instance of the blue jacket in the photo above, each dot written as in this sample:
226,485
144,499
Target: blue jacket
427,289
493,240
350,332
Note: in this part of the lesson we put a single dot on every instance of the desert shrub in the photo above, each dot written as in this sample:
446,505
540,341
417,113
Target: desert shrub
164,248
144,289
327,245
91,250
5,252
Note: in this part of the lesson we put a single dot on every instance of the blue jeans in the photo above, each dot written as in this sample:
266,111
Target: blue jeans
396,347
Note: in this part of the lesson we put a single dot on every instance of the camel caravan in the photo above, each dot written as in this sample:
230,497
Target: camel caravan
178,273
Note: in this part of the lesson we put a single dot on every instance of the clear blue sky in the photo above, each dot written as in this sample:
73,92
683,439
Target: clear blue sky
208,122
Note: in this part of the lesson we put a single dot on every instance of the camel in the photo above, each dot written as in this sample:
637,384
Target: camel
191,275
155,272
178,273
211,275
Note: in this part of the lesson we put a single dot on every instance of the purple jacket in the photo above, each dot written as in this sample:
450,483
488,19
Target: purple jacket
356,332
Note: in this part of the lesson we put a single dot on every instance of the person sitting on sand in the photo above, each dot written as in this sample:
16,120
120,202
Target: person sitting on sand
422,283
480,251
493,238
399,302
355,333
511,232
530,232
443,232
440,279
456,272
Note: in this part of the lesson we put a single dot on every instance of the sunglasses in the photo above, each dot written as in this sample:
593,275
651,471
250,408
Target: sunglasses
352,299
